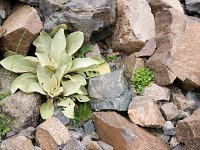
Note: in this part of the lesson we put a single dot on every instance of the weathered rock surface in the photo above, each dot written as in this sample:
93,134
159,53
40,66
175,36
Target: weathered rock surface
170,111
124,135
145,112
105,146
5,9
132,29
2,31
188,131
110,92
85,16
73,144
52,134
23,108
159,93
22,27
194,97
30,2
172,56
192,6
169,128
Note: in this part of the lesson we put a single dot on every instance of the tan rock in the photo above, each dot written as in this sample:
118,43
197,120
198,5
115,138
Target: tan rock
17,143
2,31
124,135
144,111
170,111
131,63
134,26
178,53
51,134
22,27
188,131
94,146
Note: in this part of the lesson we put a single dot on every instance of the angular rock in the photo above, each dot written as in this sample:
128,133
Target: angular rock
73,144
157,5
124,135
21,29
110,92
173,142
131,63
188,131
5,9
169,128
134,26
61,117
23,108
105,146
171,57
2,31
31,2
194,97
183,114
145,112
159,93
148,49
94,146
17,143
192,6
86,16
52,134
170,111
88,126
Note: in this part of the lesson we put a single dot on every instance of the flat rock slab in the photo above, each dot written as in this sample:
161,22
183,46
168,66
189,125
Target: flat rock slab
124,135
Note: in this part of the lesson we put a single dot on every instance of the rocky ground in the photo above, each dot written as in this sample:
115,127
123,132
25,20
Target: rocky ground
160,34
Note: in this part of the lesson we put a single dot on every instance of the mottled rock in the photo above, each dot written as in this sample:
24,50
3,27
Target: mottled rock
30,2
170,111
94,146
88,126
109,92
124,135
131,63
2,31
28,132
159,93
169,128
173,142
73,144
17,143
20,34
132,29
188,131
23,108
145,112
192,6
105,146
76,134
52,134
194,97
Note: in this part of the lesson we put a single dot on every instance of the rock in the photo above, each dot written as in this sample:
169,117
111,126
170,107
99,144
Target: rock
170,111
2,31
73,144
94,146
183,114
192,6
101,34
87,140
88,127
180,147
52,134
17,143
23,108
124,135
77,134
95,52
105,146
61,117
131,63
37,148
110,92
171,57
173,142
194,97
188,131
145,112
5,9
21,29
148,49
159,93
28,132
31,2
158,5
164,137
169,128
85,16
134,26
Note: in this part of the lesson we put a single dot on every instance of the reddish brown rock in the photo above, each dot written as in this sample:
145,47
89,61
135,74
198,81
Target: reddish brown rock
144,111
178,53
2,31
134,26
124,135
22,27
188,131
51,134
170,111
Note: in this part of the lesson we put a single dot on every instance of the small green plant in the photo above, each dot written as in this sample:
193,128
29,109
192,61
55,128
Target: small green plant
4,125
111,58
142,78
3,95
83,50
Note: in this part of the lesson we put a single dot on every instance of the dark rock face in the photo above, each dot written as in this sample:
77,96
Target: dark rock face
86,16
30,2
192,6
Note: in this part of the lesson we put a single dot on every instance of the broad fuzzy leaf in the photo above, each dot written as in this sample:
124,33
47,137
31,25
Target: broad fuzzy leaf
71,87
56,29
47,109
35,87
68,107
78,78
60,73
81,98
31,59
74,41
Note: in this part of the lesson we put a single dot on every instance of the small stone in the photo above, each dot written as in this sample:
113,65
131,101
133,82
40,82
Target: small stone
166,138
37,148
88,126
51,134
28,132
180,147
94,146
94,53
105,146
144,111
61,117
159,93
170,111
73,144
183,114
75,134
2,31
194,97
169,128
87,140
173,142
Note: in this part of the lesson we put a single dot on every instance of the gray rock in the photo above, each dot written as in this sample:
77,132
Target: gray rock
73,144
173,142
193,6
23,108
37,148
183,114
194,97
76,133
89,126
169,128
105,146
30,2
170,111
110,92
84,15
180,147
166,138
61,117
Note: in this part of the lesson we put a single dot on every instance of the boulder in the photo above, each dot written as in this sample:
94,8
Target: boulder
145,112
124,135
188,131
159,93
170,111
5,9
192,6
23,109
86,16
22,27
134,26
52,134
110,92
172,57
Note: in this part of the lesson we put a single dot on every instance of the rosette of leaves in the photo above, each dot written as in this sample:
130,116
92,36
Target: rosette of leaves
55,72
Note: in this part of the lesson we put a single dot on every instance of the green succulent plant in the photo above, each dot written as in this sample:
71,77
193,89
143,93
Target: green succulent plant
55,72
